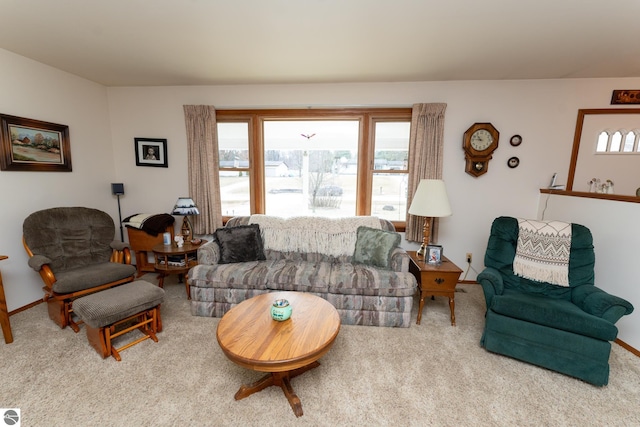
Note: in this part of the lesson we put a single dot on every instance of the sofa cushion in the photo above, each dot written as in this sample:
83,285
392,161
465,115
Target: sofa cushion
361,279
374,247
554,313
240,244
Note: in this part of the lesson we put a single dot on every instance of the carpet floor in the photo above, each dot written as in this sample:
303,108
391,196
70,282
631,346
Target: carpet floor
431,374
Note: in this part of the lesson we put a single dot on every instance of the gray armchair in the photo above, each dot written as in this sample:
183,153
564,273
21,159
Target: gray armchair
73,250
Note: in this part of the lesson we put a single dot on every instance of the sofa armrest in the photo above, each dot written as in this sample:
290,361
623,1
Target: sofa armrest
209,253
599,303
491,282
400,260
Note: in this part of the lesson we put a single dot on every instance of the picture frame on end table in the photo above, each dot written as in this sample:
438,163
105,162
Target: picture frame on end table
151,152
434,254
33,145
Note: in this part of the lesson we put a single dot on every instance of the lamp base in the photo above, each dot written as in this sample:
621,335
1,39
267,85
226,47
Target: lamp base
422,252
186,229
426,234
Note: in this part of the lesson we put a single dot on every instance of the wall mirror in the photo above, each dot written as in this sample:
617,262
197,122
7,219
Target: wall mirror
606,152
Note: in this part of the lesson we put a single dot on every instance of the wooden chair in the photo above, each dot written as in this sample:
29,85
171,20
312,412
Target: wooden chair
142,244
74,251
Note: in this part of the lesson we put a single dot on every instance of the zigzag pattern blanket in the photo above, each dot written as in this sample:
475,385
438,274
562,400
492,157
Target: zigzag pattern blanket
329,236
542,251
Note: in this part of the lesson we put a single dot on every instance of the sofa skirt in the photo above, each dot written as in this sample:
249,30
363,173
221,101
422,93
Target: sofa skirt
353,309
572,354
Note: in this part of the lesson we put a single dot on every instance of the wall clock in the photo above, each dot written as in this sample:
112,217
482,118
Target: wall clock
515,140
479,142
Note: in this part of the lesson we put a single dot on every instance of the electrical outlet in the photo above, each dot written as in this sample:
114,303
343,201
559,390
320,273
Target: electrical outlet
469,257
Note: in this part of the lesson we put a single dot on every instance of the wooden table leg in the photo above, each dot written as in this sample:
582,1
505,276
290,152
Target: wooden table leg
282,380
452,307
420,307
4,316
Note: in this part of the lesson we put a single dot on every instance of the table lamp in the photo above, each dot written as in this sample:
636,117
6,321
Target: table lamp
185,206
430,200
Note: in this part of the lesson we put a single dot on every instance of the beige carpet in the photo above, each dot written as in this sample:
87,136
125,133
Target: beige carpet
431,374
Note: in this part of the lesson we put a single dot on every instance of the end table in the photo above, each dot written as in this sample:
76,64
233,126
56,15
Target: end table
171,259
435,280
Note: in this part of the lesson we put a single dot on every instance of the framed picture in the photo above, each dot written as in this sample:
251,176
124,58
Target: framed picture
151,152
434,254
33,145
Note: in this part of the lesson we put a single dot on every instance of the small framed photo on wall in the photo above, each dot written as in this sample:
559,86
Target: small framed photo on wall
151,152
434,254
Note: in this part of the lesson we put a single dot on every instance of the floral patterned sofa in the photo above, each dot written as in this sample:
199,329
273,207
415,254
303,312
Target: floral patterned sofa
355,263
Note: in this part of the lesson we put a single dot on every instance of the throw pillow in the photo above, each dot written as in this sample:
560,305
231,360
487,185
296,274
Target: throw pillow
240,244
374,247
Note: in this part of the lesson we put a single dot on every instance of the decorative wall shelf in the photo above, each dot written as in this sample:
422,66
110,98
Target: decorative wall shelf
614,197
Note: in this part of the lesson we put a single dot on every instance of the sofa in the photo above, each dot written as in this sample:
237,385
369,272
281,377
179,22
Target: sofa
354,263
565,327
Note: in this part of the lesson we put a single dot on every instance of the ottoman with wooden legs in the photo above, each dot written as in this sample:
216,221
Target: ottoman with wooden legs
116,311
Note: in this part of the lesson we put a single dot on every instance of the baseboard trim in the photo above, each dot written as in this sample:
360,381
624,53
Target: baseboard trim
627,347
26,307
467,282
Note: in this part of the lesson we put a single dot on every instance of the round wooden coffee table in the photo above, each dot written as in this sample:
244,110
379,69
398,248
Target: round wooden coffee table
250,338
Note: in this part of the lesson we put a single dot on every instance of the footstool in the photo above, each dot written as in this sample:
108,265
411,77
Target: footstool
113,312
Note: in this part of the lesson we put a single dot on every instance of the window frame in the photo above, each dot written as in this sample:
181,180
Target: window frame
366,146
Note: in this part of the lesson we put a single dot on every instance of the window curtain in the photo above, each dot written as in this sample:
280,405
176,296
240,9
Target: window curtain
203,162
426,146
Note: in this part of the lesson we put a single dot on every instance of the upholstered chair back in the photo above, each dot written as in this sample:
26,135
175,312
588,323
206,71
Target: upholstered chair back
501,251
70,237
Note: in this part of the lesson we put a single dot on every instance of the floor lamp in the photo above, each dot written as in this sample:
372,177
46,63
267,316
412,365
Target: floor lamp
429,201
118,190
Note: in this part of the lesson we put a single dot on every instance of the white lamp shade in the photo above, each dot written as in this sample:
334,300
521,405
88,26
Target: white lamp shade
430,199
185,206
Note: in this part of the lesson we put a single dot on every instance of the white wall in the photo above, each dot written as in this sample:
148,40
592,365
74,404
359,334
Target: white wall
616,232
542,111
32,90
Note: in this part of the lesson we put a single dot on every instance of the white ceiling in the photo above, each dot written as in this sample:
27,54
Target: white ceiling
210,42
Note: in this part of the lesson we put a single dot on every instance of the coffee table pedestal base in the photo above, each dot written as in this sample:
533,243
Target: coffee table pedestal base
282,380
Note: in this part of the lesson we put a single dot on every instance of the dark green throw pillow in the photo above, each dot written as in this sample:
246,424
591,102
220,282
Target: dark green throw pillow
240,244
374,247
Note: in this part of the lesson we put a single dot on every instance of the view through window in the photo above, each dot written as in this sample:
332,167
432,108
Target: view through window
334,165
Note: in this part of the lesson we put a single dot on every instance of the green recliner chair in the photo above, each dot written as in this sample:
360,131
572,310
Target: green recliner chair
567,329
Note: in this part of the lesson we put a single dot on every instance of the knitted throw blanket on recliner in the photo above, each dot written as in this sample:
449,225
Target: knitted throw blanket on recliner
542,251
328,236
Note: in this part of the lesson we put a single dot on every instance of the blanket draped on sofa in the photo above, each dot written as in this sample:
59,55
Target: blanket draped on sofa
330,236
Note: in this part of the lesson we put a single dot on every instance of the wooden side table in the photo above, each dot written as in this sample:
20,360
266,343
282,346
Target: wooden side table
4,313
435,280
170,259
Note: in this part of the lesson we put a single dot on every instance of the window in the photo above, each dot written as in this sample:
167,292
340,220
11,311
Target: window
233,149
390,170
619,141
327,163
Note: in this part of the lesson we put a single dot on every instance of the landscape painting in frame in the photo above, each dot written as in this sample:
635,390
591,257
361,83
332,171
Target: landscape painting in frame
33,145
